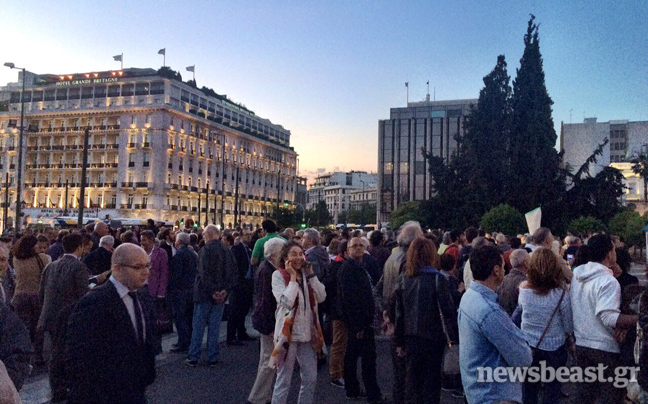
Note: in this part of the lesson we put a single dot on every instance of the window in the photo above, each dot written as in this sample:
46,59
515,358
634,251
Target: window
130,200
131,160
147,159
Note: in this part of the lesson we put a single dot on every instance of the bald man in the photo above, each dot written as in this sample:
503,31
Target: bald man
109,339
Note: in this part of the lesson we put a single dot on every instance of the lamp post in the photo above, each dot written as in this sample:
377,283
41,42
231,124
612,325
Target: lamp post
362,201
20,150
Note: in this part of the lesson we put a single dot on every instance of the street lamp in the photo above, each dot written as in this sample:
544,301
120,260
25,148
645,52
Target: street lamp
20,149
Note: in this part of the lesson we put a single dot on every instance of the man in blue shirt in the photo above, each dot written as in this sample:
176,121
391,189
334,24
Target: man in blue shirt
489,339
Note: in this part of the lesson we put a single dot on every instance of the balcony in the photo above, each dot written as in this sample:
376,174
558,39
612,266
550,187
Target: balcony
174,207
170,166
142,184
47,147
124,206
194,189
194,209
146,144
111,185
110,206
32,148
131,145
140,206
174,186
131,164
12,148
58,147
127,185
184,208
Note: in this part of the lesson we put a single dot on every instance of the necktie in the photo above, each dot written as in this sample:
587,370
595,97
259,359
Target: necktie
138,317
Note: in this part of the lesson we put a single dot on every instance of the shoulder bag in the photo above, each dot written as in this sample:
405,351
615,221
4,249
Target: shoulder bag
550,320
450,364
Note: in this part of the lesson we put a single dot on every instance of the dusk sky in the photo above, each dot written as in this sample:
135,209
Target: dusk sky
328,71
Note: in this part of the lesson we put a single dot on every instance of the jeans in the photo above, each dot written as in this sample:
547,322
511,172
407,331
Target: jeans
182,303
603,391
304,354
550,391
206,314
338,348
364,349
423,361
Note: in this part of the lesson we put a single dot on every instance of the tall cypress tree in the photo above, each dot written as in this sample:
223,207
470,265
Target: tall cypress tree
536,178
486,140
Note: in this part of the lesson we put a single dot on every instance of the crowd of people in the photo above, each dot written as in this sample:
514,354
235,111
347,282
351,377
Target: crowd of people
321,298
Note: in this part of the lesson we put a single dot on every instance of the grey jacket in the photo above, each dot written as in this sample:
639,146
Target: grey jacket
216,271
63,283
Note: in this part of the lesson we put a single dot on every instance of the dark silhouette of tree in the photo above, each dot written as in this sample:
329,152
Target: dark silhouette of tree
640,167
169,73
536,176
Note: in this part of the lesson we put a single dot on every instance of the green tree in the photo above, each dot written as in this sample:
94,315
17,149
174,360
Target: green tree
536,178
365,215
583,225
319,216
285,217
405,212
343,217
640,167
505,219
629,225
598,196
486,139
169,73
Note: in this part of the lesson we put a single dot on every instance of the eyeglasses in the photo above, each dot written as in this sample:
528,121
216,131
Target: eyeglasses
357,246
138,267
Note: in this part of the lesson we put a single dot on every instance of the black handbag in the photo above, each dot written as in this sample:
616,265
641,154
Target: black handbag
450,364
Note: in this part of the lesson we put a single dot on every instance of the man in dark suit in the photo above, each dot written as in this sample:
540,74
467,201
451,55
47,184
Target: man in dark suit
98,261
182,275
111,358
241,298
63,283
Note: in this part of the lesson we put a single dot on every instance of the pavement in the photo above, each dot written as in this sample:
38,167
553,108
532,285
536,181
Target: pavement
232,379
229,382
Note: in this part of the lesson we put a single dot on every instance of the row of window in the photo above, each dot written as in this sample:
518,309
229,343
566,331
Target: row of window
76,93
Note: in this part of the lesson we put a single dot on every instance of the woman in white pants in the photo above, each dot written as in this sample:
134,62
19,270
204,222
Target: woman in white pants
298,334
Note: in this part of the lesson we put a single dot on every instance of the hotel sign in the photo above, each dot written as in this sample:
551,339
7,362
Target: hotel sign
87,81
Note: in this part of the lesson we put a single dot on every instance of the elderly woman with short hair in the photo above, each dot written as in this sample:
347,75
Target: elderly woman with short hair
263,319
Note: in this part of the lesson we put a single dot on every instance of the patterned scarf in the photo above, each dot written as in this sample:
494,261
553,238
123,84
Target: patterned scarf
283,342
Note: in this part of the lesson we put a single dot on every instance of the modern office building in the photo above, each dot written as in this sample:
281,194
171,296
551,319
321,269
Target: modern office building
403,172
158,148
336,188
579,140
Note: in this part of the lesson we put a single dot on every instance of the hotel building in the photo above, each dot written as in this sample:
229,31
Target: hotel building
158,148
403,172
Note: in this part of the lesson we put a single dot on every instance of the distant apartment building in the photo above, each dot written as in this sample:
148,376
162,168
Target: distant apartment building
366,197
579,140
403,172
336,188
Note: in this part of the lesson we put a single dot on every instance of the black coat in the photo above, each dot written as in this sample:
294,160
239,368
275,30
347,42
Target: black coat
242,256
98,261
15,346
216,271
183,270
417,310
355,296
105,363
